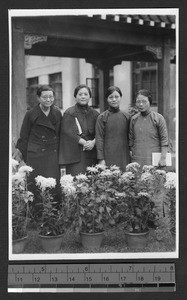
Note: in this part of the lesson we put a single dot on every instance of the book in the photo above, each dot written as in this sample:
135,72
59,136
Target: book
156,157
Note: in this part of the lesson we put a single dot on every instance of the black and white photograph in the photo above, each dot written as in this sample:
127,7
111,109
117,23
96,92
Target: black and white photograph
93,134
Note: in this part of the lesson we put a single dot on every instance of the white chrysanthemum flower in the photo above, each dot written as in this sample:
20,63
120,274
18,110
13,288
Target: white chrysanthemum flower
170,180
146,177
116,172
25,169
69,189
81,177
66,180
126,176
147,168
29,196
143,194
43,183
160,172
105,173
114,168
132,167
18,177
92,169
100,167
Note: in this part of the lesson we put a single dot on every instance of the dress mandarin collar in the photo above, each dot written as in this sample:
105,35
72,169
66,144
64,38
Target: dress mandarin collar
114,110
145,113
83,108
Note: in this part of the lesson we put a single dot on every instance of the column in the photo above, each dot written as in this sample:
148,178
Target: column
104,83
164,82
18,86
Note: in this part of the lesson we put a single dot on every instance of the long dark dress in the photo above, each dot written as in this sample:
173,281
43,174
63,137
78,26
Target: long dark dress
71,154
39,143
112,138
147,134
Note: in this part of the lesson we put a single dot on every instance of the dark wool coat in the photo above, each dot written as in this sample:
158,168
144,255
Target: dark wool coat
71,154
112,138
39,142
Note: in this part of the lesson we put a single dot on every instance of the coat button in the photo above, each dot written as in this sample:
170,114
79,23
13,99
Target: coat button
55,150
43,150
43,136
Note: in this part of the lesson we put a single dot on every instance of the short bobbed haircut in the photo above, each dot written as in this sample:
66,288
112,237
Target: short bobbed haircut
81,86
112,89
44,88
145,93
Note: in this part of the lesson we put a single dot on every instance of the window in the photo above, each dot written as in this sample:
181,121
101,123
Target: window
93,84
145,77
32,86
55,80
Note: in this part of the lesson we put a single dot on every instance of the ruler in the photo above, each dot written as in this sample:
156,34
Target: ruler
96,277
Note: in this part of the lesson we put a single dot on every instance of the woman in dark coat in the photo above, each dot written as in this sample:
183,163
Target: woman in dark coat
148,132
77,141
38,144
112,132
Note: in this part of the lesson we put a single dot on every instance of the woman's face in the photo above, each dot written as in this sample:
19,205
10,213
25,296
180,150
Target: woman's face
46,99
114,99
143,104
83,96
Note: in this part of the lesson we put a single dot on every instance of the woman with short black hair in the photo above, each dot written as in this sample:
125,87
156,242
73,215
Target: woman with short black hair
77,141
148,132
38,143
112,132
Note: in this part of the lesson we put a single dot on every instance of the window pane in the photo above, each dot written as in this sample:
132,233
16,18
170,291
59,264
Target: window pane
32,86
93,84
55,80
145,77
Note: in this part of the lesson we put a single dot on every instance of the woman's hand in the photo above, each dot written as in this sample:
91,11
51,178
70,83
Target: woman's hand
162,162
102,162
89,145
17,155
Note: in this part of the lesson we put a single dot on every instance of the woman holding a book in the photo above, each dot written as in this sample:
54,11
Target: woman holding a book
77,140
148,132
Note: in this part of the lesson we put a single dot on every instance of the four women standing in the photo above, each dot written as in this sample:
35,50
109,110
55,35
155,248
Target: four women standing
82,137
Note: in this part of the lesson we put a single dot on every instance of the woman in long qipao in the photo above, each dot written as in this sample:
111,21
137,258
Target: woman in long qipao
77,141
112,132
148,132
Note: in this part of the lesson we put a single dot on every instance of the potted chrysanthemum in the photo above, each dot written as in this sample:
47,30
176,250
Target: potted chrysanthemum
91,198
21,199
50,221
170,186
140,203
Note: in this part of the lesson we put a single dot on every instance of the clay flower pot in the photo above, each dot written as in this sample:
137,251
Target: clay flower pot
91,241
136,240
51,243
18,245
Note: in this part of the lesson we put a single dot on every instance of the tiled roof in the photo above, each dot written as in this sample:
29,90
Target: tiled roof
164,21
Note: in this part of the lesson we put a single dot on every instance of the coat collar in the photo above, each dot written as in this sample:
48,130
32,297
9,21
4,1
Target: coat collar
41,119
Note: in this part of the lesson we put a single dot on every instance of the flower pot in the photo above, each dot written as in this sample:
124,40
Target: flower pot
91,241
51,243
136,240
18,245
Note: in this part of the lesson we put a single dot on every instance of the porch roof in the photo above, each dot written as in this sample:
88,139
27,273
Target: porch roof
107,38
